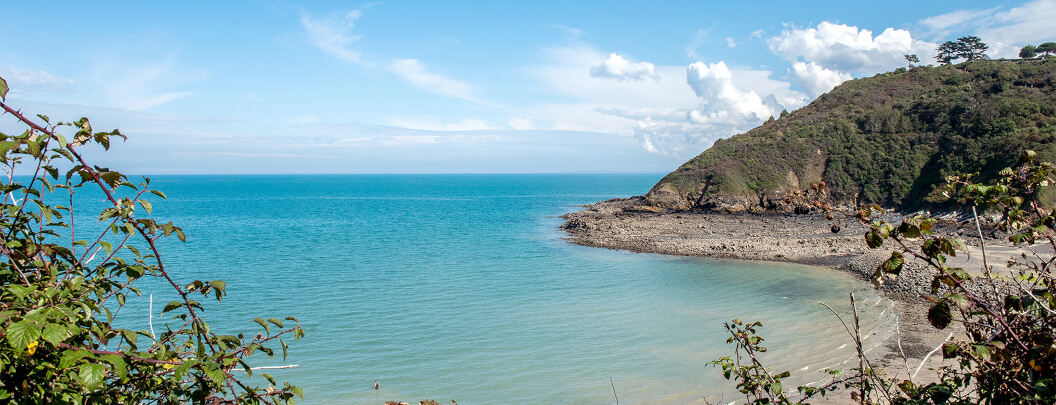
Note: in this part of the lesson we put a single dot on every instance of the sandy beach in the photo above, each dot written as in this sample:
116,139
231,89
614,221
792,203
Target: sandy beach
807,239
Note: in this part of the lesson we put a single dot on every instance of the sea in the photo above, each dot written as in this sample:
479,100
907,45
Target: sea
462,288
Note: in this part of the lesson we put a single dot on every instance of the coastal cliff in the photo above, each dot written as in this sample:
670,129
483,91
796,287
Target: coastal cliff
888,139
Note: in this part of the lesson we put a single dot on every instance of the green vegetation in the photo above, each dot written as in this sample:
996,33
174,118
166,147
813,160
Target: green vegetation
1007,354
1028,52
890,139
62,282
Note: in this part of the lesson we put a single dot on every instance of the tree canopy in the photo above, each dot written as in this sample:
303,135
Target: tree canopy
1028,52
969,48
1047,48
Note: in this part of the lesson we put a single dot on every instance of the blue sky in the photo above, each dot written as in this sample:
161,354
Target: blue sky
458,86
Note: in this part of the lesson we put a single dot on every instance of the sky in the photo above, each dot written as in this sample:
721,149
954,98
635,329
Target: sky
210,87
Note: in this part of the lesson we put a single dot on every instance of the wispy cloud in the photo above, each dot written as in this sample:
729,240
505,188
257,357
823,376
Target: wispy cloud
334,35
1006,31
466,124
136,82
698,40
415,73
32,81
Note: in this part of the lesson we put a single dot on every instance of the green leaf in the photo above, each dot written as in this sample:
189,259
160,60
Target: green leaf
275,321
215,373
261,321
91,375
939,315
873,239
894,264
119,365
21,333
62,141
6,146
171,306
107,246
70,357
950,350
3,89
146,205
54,333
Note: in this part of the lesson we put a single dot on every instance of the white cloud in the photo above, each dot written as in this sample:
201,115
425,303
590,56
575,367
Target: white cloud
724,103
334,35
677,115
848,49
521,124
727,104
466,124
415,73
675,139
29,81
730,42
698,41
940,25
616,67
138,86
566,76
816,79
1005,31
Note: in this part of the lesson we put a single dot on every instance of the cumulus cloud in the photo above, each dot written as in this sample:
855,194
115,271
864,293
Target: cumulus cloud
815,79
727,106
730,42
676,116
848,49
334,35
616,67
723,102
415,73
675,139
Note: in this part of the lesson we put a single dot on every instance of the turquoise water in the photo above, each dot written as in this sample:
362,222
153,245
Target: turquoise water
461,287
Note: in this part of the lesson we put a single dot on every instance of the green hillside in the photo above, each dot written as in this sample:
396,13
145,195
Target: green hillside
889,139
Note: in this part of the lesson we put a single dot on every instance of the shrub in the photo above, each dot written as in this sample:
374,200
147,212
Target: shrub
60,290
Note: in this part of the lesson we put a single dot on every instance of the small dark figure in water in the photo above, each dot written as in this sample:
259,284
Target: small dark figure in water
377,384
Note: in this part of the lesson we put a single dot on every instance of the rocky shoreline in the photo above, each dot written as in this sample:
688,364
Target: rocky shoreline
812,239
630,224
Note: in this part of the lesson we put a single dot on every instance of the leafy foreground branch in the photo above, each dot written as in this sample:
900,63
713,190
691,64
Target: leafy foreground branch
1008,352
62,286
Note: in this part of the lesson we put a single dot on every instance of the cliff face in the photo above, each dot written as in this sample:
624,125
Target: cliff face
888,139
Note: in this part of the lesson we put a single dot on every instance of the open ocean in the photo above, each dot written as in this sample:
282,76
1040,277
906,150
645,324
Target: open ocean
461,287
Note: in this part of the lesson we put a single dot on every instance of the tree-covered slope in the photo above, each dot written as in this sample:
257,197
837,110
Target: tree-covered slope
887,139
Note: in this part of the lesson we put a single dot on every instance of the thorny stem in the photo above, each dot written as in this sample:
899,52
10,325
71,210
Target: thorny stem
109,195
960,286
